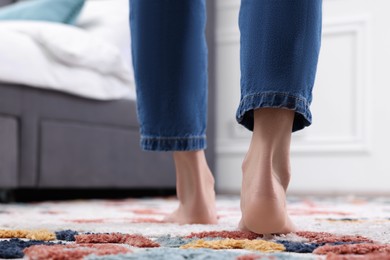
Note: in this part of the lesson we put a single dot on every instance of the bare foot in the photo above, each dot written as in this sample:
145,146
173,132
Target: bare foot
266,174
195,190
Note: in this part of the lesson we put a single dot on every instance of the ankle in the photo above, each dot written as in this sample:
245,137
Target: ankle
263,167
190,158
268,169
194,180
259,156
191,164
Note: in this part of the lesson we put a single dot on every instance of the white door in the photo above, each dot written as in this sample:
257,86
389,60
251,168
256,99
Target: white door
347,149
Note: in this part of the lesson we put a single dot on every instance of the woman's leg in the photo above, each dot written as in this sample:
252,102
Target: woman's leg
195,189
280,42
170,65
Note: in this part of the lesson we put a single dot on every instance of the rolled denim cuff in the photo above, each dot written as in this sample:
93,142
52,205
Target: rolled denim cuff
251,102
191,143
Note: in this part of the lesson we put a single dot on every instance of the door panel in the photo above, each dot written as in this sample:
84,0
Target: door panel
347,147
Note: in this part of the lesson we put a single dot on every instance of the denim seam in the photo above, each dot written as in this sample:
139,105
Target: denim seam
159,143
301,105
172,137
273,93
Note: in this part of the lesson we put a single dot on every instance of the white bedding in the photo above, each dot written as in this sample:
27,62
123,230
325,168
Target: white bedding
108,20
64,58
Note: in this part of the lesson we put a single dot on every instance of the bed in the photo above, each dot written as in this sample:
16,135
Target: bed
62,126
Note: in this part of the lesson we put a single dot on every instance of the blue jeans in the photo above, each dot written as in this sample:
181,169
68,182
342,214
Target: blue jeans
280,43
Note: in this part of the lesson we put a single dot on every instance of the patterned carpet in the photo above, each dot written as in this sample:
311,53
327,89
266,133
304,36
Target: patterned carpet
330,228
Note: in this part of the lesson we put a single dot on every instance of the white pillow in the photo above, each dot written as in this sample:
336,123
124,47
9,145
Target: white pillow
109,20
64,58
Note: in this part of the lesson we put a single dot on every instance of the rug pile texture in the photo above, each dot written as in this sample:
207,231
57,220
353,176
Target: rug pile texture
329,228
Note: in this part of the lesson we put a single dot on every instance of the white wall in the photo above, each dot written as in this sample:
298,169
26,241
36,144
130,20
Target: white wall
347,149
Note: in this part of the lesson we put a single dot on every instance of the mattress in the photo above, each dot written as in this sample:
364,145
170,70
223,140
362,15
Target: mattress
86,60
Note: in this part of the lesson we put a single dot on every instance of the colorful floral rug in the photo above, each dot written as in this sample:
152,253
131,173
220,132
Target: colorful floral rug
330,228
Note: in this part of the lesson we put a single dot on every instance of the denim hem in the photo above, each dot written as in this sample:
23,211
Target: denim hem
300,105
190,143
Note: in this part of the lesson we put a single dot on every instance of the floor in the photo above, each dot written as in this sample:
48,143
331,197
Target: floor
136,225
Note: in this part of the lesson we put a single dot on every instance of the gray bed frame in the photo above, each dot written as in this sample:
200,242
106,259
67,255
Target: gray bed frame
52,140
